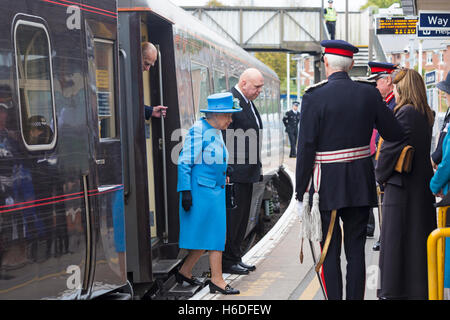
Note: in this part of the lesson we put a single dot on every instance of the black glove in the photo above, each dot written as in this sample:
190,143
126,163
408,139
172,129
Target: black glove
229,171
186,200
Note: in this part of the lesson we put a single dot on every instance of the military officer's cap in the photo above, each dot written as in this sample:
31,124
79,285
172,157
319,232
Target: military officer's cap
339,47
379,68
296,103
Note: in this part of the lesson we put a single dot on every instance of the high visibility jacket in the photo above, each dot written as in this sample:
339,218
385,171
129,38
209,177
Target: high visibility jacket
330,14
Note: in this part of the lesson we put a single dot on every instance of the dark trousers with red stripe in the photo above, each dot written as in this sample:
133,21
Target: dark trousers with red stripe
355,228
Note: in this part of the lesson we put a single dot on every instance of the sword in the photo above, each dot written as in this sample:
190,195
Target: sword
317,272
380,203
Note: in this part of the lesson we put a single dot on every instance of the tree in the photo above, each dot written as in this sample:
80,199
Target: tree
277,62
379,3
214,3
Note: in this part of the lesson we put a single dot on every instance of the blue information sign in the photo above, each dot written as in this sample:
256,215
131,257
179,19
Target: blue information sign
430,78
434,20
433,34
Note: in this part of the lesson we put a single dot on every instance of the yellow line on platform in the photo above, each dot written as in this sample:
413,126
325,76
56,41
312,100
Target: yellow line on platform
310,291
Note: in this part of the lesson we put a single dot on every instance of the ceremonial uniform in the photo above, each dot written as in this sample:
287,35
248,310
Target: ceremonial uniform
291,120
338,116
378,70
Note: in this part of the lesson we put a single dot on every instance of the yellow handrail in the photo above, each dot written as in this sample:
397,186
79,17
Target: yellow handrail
436,263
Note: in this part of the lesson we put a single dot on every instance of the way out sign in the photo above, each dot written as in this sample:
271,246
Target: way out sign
437,20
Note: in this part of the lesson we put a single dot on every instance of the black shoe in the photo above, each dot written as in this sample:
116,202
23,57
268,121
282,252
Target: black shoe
192,281
228,290
246,266
235,269
376,246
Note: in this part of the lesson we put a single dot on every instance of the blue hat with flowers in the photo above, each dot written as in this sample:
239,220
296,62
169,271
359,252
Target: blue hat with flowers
222,103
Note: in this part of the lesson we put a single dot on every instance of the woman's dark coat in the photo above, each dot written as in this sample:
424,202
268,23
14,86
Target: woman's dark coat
408,214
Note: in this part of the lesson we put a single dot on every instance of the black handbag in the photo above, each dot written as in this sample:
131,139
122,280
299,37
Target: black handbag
445,202
229,195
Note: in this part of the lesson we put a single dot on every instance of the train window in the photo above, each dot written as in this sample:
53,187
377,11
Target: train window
104,74
232,81
200,86
35,85
220,81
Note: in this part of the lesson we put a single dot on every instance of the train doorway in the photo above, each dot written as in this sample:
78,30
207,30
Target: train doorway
160,88
150,173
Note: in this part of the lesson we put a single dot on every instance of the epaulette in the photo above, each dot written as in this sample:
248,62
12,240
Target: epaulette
365,80
319,84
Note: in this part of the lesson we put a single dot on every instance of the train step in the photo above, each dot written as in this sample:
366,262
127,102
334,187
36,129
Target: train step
164,267
185,290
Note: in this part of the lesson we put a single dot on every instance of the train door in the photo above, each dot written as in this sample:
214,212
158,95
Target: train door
151,220
107,258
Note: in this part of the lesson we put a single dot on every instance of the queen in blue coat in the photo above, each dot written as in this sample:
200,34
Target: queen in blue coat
202,168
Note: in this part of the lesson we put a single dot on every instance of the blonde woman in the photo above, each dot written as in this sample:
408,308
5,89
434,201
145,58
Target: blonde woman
408,212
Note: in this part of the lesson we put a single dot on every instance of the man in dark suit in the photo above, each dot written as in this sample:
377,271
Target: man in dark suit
291,120
338,117
243,140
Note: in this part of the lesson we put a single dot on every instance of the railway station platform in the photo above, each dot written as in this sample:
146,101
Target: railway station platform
279,275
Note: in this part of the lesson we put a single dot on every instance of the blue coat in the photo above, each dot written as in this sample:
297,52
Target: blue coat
441,177
440,181
202,167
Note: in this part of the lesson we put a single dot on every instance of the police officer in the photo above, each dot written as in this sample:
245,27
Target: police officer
291,120
330,19
338,117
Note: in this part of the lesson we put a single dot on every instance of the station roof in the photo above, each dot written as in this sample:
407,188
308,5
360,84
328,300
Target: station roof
412,7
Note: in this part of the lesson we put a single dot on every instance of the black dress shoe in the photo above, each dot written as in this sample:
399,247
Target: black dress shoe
192,281
376,246
235,269
228,290
247,266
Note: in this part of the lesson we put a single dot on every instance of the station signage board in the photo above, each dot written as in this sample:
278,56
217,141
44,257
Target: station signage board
438,20
433,34
430,78
397,26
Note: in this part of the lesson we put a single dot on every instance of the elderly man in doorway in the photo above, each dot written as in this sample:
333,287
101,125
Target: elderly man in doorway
149,57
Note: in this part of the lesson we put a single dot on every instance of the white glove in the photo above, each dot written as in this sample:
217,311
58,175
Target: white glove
300,210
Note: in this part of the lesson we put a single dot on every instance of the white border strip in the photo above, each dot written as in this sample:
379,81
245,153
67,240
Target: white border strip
259,251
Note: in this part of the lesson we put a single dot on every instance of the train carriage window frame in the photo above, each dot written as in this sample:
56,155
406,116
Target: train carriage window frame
200,103
218,76
48,122
112,128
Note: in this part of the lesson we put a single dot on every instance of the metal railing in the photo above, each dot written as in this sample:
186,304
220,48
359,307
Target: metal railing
436,257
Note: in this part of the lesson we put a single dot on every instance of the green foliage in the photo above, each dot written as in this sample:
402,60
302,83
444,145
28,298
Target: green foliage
214,3
277,62
379,3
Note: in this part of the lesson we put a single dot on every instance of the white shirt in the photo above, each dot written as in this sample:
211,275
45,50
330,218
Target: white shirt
252,107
